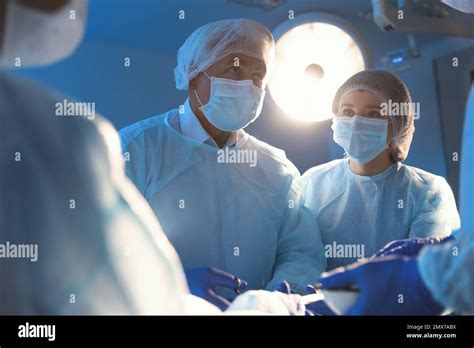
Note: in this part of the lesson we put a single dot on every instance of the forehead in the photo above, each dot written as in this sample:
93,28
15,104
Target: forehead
361,97
243,59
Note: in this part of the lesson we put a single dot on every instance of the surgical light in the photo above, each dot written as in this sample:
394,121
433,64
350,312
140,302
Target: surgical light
314,56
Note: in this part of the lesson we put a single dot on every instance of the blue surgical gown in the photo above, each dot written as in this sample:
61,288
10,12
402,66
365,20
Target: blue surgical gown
357,215
100,249
247,220
448,269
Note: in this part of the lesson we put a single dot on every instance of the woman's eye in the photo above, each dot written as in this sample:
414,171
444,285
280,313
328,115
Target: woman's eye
374,114
347,112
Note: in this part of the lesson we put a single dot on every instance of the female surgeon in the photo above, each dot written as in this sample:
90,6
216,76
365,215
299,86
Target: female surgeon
370,198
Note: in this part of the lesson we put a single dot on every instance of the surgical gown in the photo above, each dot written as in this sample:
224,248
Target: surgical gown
357,215
246,220
448,269
63,188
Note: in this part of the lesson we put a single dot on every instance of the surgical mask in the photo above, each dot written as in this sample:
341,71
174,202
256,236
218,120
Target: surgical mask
362,138
232,104
40,38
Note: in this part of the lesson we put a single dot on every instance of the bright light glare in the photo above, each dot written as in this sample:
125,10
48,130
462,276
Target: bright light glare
297,85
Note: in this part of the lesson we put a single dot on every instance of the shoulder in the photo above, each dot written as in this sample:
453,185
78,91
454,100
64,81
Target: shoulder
273,157
141,129
422,178
323,170
275,171
428,188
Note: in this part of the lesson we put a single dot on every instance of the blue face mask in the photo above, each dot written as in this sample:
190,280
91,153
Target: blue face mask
362,138
232,104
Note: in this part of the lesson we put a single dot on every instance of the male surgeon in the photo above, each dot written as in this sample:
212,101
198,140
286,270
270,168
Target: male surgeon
232,221
93,245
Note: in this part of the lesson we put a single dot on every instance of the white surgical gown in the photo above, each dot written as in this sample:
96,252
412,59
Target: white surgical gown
246,220
363,213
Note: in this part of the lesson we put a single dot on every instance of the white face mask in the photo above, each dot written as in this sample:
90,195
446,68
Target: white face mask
40,38
362,138
232,104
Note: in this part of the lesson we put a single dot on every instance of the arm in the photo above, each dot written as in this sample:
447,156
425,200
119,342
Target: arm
133,151
437,215
448,271
300,251
435,221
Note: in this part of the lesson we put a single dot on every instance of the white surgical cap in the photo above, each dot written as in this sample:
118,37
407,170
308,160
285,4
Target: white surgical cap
214,41
41,38
388,87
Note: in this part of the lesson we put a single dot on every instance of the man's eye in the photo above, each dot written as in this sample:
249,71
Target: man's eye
234,69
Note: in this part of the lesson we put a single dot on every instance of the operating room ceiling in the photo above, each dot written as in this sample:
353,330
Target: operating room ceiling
122,23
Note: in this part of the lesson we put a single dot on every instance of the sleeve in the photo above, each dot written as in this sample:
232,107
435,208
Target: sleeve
447,270
133,150
96,246
300,252
438,215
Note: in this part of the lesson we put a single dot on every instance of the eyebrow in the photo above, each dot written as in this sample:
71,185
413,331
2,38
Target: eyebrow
242,62
367,106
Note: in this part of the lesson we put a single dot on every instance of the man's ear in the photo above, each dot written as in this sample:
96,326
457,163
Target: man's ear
192,84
